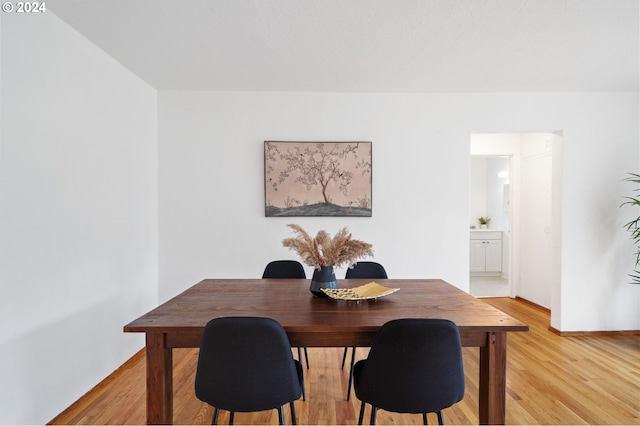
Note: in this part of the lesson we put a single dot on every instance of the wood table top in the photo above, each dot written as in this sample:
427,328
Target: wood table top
289,302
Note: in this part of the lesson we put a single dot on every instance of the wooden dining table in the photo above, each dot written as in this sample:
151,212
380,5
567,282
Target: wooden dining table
323,322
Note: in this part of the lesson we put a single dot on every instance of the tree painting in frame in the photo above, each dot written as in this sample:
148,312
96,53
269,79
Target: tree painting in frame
317,178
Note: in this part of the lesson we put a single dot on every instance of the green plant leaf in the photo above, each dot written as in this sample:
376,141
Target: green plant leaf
633,226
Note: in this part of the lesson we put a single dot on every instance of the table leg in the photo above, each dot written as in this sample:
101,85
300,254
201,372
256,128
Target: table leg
159,380
493,378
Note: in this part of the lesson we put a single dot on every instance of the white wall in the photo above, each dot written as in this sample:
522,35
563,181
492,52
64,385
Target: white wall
211,218
212,188
78,215
477,190
495,193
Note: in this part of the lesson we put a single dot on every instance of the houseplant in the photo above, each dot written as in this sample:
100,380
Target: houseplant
324,252
634,226
484,221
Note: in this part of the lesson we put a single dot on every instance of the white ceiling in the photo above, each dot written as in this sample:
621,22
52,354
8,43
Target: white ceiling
368,45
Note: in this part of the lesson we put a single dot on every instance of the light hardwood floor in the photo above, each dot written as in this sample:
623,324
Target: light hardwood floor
590,379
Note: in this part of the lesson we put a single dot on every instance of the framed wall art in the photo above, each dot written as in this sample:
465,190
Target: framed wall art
317,178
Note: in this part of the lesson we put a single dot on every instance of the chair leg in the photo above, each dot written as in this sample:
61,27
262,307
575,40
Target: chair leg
306,357
214,421
424,419
440,421
361,412
373,415
353,359
293,413
280,416
344,357
231,413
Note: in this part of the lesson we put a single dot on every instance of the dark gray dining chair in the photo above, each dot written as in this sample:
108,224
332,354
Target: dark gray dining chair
287,269
284,269
369,270
245,365
414,366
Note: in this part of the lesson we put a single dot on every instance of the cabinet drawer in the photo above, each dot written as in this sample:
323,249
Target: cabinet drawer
486,235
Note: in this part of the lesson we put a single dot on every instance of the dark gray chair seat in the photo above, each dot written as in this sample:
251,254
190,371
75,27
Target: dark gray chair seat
245,365
414,366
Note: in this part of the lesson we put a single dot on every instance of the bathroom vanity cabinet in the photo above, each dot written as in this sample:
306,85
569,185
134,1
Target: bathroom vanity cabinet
485,252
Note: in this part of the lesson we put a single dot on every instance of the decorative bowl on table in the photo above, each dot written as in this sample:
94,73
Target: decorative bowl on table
372,290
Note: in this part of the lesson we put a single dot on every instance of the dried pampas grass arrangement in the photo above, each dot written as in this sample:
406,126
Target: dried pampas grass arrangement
323,250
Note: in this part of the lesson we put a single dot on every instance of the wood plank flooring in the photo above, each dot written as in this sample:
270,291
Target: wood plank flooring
550,380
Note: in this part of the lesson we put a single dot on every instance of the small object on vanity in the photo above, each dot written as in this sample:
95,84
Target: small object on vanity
484,222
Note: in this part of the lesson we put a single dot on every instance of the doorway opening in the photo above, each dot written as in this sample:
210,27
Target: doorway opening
515,181
489,243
